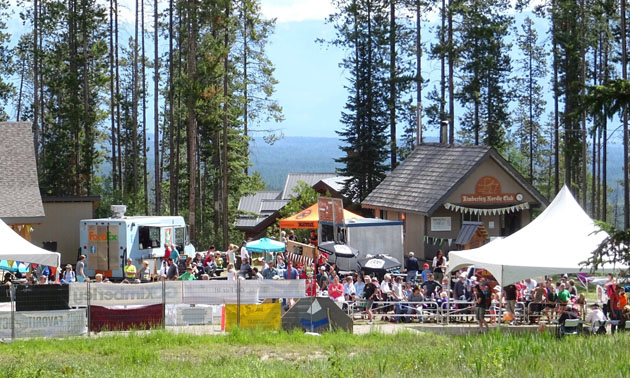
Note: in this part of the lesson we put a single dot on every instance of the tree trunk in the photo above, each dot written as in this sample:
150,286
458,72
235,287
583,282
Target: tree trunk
171,116
134,109
144,117
119,150
112,96
392,81
191,124
226,160
556,136
419,72
624,75
156,112
35,82
245,94
451,73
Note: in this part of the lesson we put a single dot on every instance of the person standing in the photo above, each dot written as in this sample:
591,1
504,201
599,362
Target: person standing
81,269
509,293
145,273
439,265
244,253
174,254
171,273
130,271
482,304
369,292
413,266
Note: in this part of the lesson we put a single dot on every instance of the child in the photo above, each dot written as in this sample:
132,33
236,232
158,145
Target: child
425,272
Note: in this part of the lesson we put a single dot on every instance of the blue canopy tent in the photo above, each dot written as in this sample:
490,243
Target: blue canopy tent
264,246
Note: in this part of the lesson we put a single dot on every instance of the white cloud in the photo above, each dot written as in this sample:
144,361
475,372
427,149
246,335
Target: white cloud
297,10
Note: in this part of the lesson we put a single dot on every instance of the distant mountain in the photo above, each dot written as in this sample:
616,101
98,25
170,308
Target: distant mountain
293,154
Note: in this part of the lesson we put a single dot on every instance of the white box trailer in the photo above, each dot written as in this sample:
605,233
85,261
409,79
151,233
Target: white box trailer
372,236
108,242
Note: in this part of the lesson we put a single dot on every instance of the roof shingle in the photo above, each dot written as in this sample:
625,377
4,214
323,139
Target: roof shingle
425,176
20,199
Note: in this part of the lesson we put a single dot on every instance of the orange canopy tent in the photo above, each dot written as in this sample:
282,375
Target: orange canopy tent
309,218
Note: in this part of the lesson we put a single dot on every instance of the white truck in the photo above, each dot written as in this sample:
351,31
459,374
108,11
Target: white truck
108,242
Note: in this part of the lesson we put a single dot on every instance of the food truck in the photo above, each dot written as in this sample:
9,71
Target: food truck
108,242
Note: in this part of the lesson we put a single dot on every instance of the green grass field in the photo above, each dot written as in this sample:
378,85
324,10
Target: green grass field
268,354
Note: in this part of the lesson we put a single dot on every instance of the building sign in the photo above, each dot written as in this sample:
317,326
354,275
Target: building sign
330,209
92,235
488,190
440,223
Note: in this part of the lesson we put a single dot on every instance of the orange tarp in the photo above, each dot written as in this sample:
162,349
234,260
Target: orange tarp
309,218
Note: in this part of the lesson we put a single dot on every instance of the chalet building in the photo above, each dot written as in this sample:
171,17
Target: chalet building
454,197
261,209
20,200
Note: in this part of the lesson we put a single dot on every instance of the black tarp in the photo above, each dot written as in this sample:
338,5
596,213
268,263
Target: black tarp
41,297
316,314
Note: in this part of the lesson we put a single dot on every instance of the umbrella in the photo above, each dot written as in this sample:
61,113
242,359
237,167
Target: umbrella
340,250
265,245
379,264
344,256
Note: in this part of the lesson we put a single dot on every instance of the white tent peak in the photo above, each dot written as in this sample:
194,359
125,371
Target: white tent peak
16,248
557,241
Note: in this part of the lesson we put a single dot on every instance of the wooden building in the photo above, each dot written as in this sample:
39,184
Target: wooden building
439,187
20,200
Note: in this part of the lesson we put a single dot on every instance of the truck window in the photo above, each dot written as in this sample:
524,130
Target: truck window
180,237
149,237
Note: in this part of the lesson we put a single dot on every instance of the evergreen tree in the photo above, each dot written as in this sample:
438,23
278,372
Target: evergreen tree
529,95
485,68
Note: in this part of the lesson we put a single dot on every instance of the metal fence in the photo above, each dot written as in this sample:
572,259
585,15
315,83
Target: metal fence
87,308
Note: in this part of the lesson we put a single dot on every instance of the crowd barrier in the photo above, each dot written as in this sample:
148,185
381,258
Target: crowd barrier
83,308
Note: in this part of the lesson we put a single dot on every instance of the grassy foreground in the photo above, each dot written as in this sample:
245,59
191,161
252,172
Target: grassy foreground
266,354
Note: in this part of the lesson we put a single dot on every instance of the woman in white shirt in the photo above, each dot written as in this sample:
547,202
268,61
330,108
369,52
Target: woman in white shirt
439,265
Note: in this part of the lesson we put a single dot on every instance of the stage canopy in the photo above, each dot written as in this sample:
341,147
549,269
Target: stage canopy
309,218
16,248
556,242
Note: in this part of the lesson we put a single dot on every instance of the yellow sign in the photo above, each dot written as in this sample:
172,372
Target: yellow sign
266,316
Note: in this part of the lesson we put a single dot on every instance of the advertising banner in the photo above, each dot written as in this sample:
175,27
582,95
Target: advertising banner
44,323
109,294
266,316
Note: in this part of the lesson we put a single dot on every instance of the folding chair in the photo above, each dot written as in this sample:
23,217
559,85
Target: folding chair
599,327
570,327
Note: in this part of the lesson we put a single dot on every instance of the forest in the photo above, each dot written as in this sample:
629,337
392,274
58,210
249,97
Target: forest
192,82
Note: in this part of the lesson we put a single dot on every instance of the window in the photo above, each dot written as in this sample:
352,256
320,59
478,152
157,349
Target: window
149,237
471,217
180,236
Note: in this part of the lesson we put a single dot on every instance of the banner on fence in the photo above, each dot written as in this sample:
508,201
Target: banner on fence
146,317
109,294
219,292
271,289
199,314
44,323
266,316
188,292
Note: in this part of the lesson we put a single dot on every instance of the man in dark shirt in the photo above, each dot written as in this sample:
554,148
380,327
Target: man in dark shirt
172,270
431,287
569,313
369,291
460,288
413,266
509,292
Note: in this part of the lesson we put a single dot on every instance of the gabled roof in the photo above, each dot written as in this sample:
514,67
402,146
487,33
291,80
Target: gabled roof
431,172
20,199
252,203
309,178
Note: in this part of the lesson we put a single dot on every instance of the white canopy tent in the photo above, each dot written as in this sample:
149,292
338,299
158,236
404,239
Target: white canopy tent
16,248
556,242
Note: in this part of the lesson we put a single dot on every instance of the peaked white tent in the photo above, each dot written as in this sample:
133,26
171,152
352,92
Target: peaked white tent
556,242
16,248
